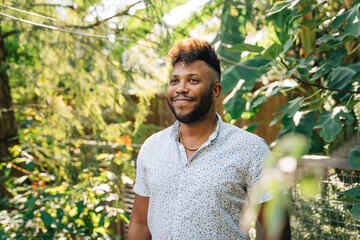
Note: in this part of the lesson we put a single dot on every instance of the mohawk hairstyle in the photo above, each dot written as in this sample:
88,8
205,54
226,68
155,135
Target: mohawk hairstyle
189,50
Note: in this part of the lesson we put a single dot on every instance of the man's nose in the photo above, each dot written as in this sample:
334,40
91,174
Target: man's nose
182,87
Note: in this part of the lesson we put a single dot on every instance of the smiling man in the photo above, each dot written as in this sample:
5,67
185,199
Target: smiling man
195,177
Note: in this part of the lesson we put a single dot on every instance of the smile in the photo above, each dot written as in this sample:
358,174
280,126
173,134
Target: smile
182,100
179,98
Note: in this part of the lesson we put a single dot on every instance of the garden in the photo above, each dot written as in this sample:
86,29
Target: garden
82,86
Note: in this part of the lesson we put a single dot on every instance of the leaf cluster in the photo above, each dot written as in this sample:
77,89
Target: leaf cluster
310,56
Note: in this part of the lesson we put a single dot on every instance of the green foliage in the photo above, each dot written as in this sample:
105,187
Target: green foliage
312,55
80,94
356,211
241,47
272,52
248,70
320,79
289,109
331,124
354,157
66,189
69,211
353,196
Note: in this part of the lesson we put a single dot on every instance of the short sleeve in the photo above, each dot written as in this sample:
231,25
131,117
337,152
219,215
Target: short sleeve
141,186
260,166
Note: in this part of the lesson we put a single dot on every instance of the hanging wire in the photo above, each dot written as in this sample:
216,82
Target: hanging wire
31,13
80,33
64,30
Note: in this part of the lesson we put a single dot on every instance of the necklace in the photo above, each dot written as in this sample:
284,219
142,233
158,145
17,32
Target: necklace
190,149
194,149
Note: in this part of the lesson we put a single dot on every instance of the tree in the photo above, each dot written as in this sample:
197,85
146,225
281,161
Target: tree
67,76
310,55
7,125
316,55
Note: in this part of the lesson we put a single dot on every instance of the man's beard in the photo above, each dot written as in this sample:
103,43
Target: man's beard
198,111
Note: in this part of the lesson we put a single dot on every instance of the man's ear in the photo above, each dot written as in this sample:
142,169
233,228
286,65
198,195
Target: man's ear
217,88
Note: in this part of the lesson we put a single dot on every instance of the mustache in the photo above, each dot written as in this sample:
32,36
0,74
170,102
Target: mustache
172,98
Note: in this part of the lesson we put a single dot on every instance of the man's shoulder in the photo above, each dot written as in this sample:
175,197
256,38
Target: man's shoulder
236,133
159,137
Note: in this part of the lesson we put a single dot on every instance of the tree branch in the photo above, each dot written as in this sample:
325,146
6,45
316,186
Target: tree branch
316,85
10,33
97,23
55,5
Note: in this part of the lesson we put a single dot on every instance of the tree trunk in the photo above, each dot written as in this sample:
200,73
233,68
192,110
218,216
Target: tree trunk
7,117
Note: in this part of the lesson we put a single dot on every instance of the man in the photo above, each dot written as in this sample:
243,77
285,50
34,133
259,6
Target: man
195,177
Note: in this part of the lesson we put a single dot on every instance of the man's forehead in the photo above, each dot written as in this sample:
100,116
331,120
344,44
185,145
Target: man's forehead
187,64
198,67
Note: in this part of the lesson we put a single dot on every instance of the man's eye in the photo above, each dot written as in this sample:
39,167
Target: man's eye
194,80
173,80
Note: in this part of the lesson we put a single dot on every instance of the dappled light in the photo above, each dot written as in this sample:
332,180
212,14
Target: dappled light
83,84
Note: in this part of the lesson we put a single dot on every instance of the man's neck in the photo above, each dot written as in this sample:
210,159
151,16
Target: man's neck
203,127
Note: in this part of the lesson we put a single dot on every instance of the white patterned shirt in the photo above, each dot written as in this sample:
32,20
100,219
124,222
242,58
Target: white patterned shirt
201,197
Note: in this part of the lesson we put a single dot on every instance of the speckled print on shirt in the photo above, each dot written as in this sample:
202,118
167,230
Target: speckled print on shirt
200,197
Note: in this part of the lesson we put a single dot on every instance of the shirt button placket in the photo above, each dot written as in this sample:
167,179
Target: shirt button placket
178,210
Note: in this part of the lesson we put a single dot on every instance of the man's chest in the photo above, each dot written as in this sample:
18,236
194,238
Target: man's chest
208,172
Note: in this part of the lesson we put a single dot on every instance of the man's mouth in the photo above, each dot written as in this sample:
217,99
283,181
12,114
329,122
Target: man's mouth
182,99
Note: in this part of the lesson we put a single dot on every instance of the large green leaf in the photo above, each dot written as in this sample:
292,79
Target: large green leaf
46,218
355,67
354,157
232,30
353,192
288,44
246,47
305,65
233,27
279,5
260,99
341,77
272,52
288,110
80,207
323,39
356,211
339,20
304,125
353,21
306,10
353,26
331,123
346,117
102,219
229,78
235,105
332,60
247,70
31,202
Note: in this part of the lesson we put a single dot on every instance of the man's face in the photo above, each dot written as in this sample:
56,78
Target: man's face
189,94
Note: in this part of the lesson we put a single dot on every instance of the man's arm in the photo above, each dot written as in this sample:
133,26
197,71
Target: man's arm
263,234
138,228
